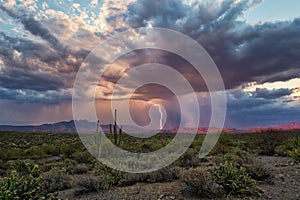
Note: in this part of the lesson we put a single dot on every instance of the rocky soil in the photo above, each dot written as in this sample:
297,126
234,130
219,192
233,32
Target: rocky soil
284,184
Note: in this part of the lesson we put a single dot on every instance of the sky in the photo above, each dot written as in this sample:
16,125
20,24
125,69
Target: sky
254,43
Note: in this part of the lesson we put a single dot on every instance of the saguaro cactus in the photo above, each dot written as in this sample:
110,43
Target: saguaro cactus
110,131
117,137
98,140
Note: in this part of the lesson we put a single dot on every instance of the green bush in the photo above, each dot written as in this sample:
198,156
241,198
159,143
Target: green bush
291,148
268,141
225,145
56,180
11,153
19,187
108,175
293,143
189,159
166,174
234,179
36,152
2,172
150,146
163,175
51,149
295,154
281,151
82,157
197,142
68,149
253,166
80,169
92,184
26,168
23,183
198,181
226,139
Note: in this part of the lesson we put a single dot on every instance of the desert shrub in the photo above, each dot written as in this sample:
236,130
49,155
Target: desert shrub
226,139
23,183
131,179
56,180
51,149
291,148
19,187
268,141
82,157
163,175
225,145
2,162
26,168
258,171
11,153
108,175
189,159
80,169
197,142
48,166
234,179
295,154
150,146
66,164
281,151
244,145
293,143
198,181
69,165
2,172
222,149
68,149
35,152
92,184
253,166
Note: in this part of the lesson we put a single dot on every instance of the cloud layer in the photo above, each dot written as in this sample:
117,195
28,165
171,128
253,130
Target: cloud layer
43,44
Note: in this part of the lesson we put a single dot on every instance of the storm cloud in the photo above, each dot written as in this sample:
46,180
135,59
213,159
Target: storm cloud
39,61
244,53
271,94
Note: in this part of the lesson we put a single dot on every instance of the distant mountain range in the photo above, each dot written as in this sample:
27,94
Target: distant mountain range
283,127
69,127
61,127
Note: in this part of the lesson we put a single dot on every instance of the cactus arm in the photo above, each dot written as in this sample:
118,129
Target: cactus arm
120,136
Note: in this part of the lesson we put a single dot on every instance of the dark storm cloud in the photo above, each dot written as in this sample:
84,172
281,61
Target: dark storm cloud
268,53
245,101
31,96
145,56
260,108
37,67
162,13
244,53
263,116
33,26
271,94
27,47
40,68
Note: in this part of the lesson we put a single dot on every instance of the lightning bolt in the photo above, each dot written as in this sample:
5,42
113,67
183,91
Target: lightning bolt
158,106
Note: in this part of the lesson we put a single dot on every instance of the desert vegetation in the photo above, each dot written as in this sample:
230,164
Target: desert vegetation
57,166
